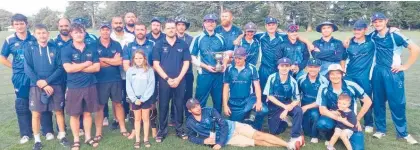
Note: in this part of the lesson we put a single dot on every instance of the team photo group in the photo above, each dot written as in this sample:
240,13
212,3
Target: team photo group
259,84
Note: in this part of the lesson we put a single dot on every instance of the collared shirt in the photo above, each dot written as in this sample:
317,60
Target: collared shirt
110,73
229,36
297,52
269,48
309,89
171,58
147,48
70,54
252,50
43,64
204,46
60,43
240,81
389,48
187,39
150,36
330,51
285,92
123,40
128,31
15,46
360,57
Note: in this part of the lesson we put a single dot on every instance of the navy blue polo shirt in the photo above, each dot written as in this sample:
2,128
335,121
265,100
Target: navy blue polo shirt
150,36
171,58
229,36
285,92
269,48
360,57
44,64
389,48
328,97
252,49
70,54
15,46
297,52
308,89
147,48
187,39
204,45
240,82
110,73
60,43
330,51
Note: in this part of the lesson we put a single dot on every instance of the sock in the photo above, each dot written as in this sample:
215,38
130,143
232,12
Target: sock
61,135
37,138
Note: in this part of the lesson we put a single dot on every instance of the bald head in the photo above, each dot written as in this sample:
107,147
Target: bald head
64,26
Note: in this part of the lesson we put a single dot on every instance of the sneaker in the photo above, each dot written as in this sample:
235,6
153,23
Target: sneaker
410,140
114,125
293,145
37,146
329,147
327,143
49,136
81,132
314,140
379,135
369,129
64,142
105,122
24,139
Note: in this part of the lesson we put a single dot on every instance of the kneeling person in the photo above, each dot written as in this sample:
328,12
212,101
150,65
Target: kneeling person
238,97
202,121
43,67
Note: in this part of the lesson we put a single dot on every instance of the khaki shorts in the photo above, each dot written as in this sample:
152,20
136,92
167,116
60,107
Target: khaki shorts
242,136
347,131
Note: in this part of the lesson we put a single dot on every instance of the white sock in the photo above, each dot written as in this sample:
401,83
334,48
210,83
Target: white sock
37,138
61,135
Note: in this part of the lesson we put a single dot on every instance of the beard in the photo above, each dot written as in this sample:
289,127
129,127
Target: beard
118,29
130,24
64,32
226,23
155,31
140,36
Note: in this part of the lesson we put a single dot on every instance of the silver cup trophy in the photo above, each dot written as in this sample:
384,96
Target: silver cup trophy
219,59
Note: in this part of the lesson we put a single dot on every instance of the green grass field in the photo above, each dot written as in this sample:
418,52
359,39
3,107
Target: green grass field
9,134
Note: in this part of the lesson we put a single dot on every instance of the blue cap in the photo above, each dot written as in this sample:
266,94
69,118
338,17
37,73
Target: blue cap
284,60
314,62
155,19
239,52
360,24
319,27
271,20
377,16
79,21
105,24
210,17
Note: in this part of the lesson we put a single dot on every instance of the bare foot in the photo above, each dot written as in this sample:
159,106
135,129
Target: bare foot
132,135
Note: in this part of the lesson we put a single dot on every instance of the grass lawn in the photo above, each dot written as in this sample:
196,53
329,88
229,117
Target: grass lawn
9,134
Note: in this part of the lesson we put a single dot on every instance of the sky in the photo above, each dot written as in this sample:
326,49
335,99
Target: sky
31,7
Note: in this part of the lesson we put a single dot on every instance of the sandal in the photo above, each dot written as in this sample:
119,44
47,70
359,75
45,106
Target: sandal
158,139
147,144
98,138
92,143
137,145
76,145
125,134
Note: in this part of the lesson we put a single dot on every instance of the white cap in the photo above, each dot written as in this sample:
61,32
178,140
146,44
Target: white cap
335,67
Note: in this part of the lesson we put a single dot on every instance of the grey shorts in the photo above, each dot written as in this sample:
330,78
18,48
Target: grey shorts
81,100
56,101
108,90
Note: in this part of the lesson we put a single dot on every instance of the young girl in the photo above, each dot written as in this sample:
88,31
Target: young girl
346,124
140,84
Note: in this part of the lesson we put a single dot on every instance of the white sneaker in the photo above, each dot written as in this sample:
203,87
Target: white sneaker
24,139
105,122
293,146
49,136
327,143
81,132
289,123
314,140
379,135
369,129
411,140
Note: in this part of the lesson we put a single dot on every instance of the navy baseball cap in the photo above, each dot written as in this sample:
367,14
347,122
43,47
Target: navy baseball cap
360,24
326,23
250,26
79,21
105,25
155,19
191,103
284,61
314,62
292,28
210,17
377,16
239,52
271,20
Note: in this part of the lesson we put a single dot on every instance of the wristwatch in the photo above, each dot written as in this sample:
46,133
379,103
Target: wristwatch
166,78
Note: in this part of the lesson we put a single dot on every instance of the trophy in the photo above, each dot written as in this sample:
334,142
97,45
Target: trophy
219,59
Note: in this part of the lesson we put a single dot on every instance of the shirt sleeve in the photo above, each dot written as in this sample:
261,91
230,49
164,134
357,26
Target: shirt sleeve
319,98
358,91
126,53
192,134
150,89
194,49
29,66
156,52
401,40
59,71
5,51
224,128
65,56
226,77
304,62
95,56
267,88
341,51
255,76
128,86
296,93
186,52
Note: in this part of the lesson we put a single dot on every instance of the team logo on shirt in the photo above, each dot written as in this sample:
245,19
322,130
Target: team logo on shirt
51,55
99,51
32,103
165,49
286,88
299,48
59,43
133,47
16,44
30,42
89,56
75,56
180,50
113,51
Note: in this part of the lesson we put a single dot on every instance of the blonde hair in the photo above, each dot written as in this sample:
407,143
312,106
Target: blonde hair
145,64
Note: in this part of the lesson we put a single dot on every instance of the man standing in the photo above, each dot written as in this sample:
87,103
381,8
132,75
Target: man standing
156,33
81,62
203,47
251,44
238,96
43,67
171,59
109,79
328,49
388,77
226,28
16,44
63,39
130,20
360,54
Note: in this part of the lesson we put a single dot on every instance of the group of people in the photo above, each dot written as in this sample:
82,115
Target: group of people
313,87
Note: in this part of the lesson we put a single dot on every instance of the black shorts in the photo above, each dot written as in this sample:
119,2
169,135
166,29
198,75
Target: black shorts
81,100
145,105
108,90
56,102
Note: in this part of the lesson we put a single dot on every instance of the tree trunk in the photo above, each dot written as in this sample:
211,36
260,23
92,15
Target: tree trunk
221,7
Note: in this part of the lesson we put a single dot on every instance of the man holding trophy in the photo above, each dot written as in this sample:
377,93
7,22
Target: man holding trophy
209,54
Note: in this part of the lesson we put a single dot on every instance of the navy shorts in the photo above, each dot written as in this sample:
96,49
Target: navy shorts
108,90
145,105
81,100
56,101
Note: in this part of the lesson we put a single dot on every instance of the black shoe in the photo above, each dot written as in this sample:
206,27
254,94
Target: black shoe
115,125
37,146
64,142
